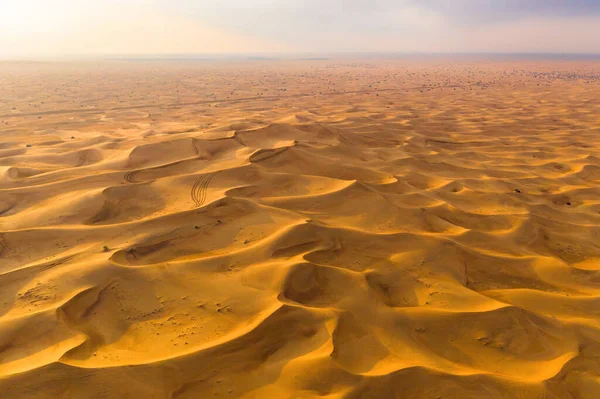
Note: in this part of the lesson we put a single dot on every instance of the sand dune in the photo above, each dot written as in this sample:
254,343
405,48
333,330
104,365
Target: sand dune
414,229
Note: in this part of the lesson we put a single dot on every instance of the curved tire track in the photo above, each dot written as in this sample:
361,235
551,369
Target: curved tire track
195,148
130,177
199,189
3,245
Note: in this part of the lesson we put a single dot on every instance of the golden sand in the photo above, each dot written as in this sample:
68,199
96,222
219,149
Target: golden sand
306,229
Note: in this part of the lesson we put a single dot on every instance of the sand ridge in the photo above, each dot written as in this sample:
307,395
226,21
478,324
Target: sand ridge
339,229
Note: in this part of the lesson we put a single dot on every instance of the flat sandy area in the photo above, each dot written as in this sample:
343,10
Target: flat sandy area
300,229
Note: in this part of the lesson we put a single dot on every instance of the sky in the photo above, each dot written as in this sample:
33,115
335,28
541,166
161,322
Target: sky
52,28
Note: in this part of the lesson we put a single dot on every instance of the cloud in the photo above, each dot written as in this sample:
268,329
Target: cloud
196,26
409,25
310,20
115,27
486,11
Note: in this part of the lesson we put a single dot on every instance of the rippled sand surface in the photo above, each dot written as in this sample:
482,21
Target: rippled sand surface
307,229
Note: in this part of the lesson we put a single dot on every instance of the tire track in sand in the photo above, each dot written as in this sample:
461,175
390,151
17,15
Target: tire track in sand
130,176
199,189
195,148
3,245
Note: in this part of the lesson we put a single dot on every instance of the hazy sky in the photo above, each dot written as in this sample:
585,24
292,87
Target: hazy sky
82,27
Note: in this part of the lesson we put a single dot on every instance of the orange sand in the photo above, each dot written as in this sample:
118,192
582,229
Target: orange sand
306,229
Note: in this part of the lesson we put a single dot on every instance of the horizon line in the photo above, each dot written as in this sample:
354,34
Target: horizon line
283,56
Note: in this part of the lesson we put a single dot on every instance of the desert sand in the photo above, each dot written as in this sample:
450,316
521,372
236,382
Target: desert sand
300,229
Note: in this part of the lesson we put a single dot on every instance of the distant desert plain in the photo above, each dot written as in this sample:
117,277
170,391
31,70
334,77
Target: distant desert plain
403,228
